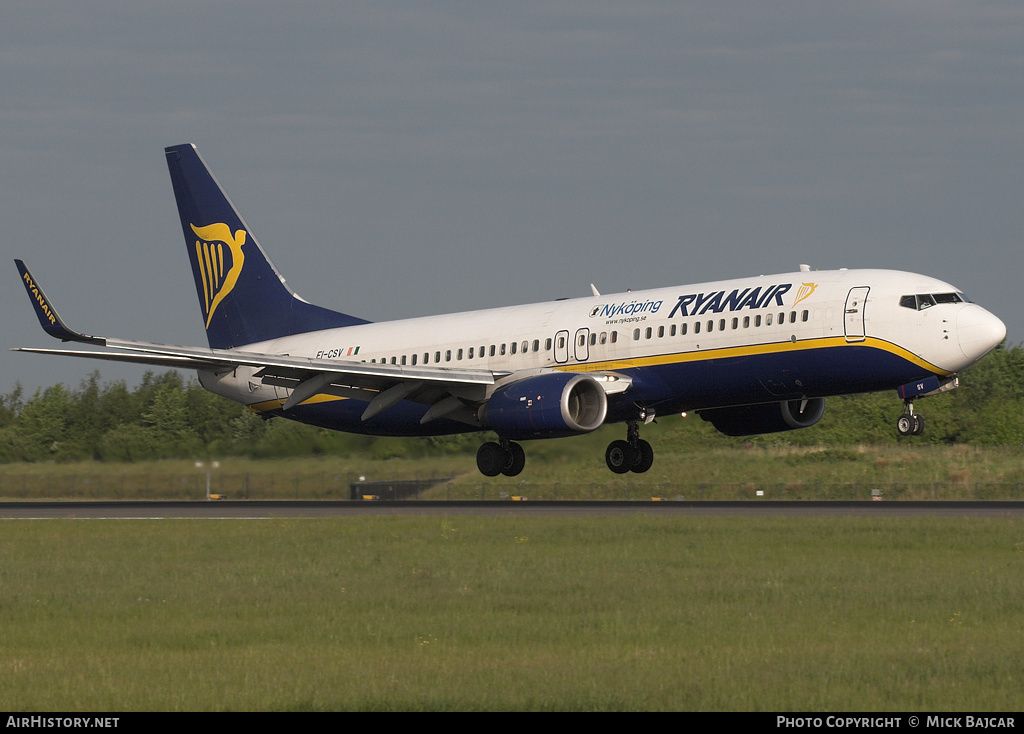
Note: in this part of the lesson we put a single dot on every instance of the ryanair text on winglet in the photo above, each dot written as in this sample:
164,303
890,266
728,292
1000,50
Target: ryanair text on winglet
37,294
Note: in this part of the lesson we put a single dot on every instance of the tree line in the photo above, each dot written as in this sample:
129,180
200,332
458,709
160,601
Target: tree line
170,416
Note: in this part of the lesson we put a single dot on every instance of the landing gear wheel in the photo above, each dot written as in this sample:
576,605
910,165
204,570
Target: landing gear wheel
490,459
918,425
515,460
643,458
905,424
505,458
620,457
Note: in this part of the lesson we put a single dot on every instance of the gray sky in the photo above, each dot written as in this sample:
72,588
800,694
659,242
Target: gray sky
399,159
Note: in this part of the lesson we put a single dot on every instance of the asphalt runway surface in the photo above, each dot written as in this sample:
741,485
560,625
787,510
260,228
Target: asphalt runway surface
240,510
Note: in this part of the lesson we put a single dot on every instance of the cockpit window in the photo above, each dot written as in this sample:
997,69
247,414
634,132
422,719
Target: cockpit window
921,301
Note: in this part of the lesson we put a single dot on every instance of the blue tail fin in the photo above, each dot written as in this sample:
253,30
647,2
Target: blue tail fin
242,296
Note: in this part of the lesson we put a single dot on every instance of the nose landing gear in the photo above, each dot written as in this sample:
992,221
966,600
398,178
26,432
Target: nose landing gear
910,423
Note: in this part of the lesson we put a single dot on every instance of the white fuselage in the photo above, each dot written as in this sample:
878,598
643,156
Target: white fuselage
810,334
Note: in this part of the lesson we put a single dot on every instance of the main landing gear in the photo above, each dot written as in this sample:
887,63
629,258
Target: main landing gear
504,457
634,454
910,423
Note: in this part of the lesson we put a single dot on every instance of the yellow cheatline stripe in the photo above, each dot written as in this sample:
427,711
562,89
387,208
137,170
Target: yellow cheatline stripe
754,349
276,404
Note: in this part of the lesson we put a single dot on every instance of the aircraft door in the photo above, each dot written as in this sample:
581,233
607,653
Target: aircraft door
562,347
582,345
854,314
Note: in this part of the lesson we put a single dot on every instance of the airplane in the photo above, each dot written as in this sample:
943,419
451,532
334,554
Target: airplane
750,355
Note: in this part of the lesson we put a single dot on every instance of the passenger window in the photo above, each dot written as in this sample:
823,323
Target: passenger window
448,355
661,332
696,327
547,344
636,335
492,350
437,357
746,322
470,354
536,345
501,350
682,329
458,355
711,326
672,330
615,336
512,348
647,333
804,315
403,359
526,347
593,339
721,324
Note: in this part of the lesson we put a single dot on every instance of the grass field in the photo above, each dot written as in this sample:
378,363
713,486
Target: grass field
513,613
566,469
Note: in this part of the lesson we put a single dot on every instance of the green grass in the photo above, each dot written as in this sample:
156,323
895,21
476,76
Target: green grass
565,469
510,613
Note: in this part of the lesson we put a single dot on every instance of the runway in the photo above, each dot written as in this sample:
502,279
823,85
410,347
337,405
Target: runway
254,510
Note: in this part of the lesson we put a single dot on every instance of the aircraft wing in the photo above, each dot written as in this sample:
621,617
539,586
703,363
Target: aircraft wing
450,392
447,391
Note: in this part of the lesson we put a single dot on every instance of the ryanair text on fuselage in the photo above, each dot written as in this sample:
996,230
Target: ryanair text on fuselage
695,304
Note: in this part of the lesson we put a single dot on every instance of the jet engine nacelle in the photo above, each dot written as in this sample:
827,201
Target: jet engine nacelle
545,406
749,420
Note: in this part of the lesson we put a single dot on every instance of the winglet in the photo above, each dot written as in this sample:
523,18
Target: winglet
46,313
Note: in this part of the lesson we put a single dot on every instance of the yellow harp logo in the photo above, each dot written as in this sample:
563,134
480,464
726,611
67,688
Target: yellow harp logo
806,289
220,258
